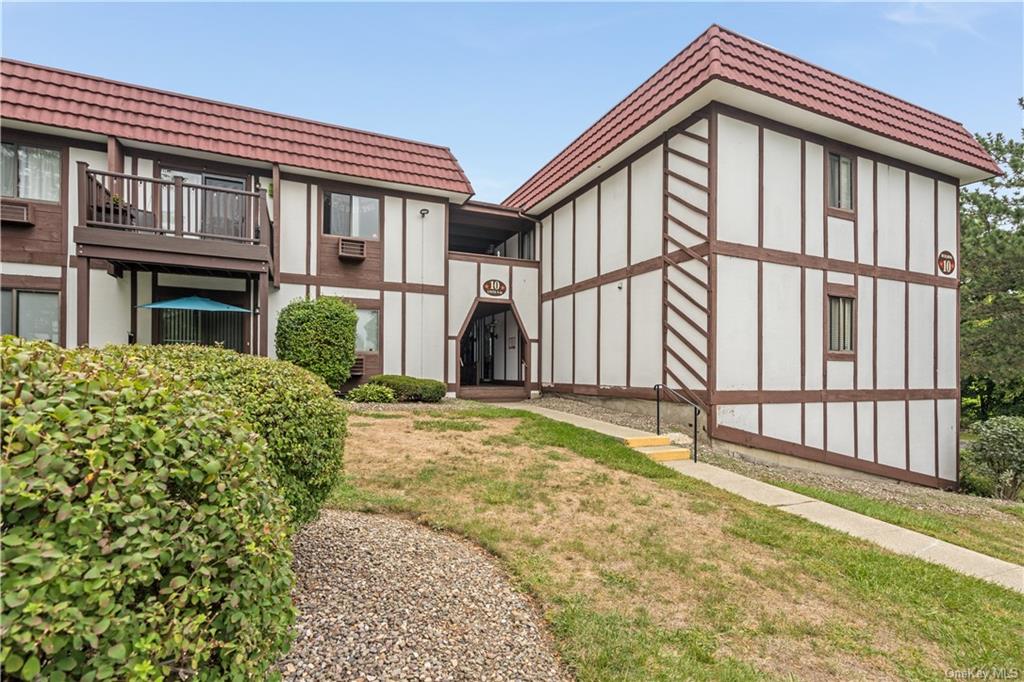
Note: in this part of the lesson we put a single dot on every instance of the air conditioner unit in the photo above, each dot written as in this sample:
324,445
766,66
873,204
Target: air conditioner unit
16,214
351,249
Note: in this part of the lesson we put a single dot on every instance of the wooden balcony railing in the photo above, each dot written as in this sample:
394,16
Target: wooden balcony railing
173,208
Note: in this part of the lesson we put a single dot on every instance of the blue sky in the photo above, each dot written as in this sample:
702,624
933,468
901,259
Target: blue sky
507,86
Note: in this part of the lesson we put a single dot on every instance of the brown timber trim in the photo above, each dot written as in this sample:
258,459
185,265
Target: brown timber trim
733,435
820,263
711,380
254,256
645,266
276,181
636,392
33,282
497,260
833,395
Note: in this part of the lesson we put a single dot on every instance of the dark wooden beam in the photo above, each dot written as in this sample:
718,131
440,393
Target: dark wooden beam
264,317
83,302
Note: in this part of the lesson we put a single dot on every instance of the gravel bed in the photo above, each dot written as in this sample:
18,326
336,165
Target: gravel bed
904,494
386,599
593,411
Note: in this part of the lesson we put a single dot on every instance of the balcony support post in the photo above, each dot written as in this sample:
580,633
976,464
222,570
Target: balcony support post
275,247
83,301
179,207
263,293
83,193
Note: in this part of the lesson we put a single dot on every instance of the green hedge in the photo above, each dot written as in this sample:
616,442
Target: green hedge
371,393
143,533
320,336
994,462
294,410
411,389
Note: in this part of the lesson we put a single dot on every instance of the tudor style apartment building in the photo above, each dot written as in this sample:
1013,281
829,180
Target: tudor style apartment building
774,241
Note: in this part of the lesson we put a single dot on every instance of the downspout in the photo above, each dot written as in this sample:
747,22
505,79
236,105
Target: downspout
536,223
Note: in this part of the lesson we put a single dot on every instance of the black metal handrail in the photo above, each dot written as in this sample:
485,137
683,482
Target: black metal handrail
682,398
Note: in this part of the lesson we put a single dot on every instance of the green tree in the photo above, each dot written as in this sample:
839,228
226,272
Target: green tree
992,285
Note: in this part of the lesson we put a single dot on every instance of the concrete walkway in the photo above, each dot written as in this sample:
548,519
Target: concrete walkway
891,537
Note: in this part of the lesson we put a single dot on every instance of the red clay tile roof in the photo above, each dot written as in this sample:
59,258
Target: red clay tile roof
48,96
721,54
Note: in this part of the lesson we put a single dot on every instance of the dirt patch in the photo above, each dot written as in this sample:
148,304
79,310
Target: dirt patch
624,543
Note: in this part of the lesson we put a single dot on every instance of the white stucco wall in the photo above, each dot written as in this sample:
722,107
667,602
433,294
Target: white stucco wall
645,345
613,222
585,337
424,242
586,235
738,183
563,340
613,334
645,206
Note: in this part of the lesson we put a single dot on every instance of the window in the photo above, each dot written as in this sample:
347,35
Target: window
30,172
367,336
347,215
33,315
840,182
840,324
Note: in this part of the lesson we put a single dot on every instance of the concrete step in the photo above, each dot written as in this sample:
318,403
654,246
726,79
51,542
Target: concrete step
646,441
665,453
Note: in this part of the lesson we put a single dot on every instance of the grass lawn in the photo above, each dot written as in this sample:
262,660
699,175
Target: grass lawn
993,527
644,574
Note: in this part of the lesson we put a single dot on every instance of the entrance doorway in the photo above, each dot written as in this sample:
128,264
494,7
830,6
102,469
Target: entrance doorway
493,354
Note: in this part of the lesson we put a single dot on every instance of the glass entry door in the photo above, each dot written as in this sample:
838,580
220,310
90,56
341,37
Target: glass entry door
208,211
224,212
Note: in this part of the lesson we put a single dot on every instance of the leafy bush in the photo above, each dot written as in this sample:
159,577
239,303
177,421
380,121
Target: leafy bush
371,393
411,389
298,415
975,479
143,534
997,457
320,336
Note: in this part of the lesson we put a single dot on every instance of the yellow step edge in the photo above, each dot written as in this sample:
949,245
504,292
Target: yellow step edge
669,455
646,441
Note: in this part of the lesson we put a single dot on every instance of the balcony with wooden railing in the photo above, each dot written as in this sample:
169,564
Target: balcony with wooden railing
129,219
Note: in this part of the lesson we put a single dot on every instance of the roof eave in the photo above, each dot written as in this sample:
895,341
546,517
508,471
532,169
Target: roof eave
719,89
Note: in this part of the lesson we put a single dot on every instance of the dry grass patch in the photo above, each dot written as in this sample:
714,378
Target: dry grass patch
648,575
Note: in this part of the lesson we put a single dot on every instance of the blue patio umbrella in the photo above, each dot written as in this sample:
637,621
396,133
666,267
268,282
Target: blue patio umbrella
194,303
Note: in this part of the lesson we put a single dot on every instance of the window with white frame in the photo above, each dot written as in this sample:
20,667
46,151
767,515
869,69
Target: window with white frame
367,330
33,315
30,172
840,324
348,215
840,182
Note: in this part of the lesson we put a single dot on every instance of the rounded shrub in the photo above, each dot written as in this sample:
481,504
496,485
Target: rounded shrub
143,534
996,457
371,393
411,389
320,336
294,410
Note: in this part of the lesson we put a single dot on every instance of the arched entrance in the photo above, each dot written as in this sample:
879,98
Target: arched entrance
493,353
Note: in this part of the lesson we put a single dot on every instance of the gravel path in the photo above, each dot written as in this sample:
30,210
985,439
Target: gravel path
904,494
386,599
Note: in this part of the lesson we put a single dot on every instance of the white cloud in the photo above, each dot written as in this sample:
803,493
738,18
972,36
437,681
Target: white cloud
953,16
